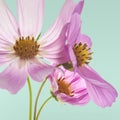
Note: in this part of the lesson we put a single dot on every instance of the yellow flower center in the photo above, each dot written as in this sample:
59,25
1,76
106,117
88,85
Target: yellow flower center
64,87
26,48
82,53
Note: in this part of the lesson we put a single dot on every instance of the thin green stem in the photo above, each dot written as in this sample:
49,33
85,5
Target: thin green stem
38,95
42,106
30,99
38,37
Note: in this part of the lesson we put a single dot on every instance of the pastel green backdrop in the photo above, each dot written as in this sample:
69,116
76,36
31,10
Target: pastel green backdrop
101,21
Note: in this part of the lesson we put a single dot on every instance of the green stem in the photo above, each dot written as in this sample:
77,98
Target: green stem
30,99
42,106
38,37
38,95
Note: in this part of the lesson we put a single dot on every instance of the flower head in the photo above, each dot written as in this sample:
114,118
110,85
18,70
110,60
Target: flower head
69,87
79,50
22,49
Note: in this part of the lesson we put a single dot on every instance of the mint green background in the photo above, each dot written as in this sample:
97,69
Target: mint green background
101,21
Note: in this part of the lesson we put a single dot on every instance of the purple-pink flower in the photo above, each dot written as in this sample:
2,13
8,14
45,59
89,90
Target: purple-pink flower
69,87
22,51
79,50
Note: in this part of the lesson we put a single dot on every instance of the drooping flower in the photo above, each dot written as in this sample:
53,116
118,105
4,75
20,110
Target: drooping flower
79,50
21,48
69,87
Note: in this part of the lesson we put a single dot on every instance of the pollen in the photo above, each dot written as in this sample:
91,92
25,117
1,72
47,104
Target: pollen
64,87
82,53
26,48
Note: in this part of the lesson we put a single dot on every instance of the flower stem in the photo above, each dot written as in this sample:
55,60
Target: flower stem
42,106
38,95
30,99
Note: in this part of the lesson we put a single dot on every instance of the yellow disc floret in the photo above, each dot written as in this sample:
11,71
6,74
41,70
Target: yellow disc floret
26,48
82,53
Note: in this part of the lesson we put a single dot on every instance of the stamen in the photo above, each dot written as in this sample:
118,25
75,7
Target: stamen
64,87
26,48
82,53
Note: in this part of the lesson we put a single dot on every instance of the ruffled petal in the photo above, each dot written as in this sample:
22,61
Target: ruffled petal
100,91
30,14
76,84
13,78
39,71
8,25
81,100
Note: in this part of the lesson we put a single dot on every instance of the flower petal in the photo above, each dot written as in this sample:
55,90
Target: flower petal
6,58
76,84
53,42
63,18
13,78
84,39
8,25
72,56
30,13
100,91
79,7
81,100
6,51
39,72
74,29
56,52
5,45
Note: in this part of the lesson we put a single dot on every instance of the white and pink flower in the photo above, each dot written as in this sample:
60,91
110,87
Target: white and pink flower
21,49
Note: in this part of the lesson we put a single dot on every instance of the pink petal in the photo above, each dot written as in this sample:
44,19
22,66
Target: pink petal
79,7
6,52
54,76
13,78
77,84
8,25
5,46
53,42
75,25
39,72
72,56
84,39
30,13
84,100
54,85
6,58
80,100
64,17
56,52
100,91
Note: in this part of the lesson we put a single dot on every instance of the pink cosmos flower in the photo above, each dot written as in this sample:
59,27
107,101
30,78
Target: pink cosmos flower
79,49
69,87
24,53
